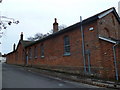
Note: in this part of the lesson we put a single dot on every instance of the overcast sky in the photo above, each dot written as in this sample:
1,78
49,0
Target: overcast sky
38,16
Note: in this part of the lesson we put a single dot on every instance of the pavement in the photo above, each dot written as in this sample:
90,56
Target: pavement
85,80
74,78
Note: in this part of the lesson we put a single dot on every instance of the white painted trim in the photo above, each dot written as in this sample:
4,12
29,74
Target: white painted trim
107,40
105,13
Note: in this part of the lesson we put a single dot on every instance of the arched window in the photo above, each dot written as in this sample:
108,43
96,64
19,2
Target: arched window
42,51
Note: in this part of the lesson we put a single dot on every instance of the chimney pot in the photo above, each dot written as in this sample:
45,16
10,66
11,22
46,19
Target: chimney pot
55,20
21,36
55,26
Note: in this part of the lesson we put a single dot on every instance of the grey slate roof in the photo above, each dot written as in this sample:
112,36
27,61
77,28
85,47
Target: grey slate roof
25,42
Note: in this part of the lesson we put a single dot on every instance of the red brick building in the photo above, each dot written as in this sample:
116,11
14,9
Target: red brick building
90,47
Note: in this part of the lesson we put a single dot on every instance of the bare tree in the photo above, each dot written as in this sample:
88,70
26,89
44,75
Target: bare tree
31,39
61,27
37,36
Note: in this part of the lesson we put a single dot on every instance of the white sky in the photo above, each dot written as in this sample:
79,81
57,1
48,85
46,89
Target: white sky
38,15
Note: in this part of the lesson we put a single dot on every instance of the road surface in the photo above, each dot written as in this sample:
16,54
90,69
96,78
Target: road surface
18,77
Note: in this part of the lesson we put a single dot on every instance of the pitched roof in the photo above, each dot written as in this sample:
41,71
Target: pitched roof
77,25
24,44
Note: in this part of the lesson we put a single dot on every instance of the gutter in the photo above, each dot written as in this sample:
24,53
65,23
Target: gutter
108,40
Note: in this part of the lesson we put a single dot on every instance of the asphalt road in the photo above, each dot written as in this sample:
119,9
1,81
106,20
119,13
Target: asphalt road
18,77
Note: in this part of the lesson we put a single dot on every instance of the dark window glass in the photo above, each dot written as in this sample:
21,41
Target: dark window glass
42,51
35,52
66,45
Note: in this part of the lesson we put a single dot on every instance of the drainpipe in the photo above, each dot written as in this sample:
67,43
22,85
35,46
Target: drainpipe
83,44
115,62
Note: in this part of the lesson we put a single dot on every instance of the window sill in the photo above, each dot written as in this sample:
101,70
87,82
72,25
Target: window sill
42,56
67,54
36,57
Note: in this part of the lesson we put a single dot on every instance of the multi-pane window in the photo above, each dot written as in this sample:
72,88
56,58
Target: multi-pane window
66,45
42,51
35,52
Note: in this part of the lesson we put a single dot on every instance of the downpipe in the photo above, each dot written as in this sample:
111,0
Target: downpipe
115,64
83,44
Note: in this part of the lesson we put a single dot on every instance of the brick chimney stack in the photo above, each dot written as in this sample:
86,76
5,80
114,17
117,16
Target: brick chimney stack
14,47
21,36
55,26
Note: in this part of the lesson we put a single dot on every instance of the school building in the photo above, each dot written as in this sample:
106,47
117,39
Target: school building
90,47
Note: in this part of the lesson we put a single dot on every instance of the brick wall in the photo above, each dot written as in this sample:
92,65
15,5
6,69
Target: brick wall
92,45
17,56
109,27
20,59
54,51
107,59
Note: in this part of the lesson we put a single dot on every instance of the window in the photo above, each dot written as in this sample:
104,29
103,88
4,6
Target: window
35,52
66,45
30,53
42,51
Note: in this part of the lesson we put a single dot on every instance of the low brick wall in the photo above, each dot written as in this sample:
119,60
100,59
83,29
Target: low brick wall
79,71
